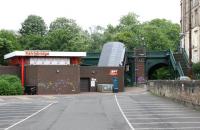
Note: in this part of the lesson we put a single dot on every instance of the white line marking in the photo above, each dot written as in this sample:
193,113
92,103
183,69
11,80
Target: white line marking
164,118
123,114
163,104
144,114
143,107
176,128
30,116
157,109
166,123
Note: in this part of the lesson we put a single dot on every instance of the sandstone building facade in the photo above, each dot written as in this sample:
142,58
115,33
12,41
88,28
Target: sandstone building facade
192,13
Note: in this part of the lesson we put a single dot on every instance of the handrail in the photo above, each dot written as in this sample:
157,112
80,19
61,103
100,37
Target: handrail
176,66
172,59
180,70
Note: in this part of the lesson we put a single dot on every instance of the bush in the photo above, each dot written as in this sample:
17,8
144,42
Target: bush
196,70
10,85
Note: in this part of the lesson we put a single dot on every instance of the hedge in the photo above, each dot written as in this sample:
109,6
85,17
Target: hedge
10,85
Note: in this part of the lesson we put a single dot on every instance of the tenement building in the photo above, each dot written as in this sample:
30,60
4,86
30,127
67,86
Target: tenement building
190,20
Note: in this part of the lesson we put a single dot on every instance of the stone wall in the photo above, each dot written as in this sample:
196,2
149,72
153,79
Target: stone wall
187,92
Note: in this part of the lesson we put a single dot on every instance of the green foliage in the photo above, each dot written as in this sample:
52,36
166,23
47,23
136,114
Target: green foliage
10,85
196,70
33,32
8,43
158,34
97,39
161,34
33,42
33,25
128,31
66,35
162,73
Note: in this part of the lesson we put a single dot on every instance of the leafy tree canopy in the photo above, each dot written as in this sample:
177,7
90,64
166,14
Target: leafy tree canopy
66,35
33,25
8,43
161,34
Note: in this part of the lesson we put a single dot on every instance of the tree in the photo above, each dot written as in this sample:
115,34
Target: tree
162,73
33,25
8,43
65,35
33,42
158,34
128,31
97,39
32,32
161,34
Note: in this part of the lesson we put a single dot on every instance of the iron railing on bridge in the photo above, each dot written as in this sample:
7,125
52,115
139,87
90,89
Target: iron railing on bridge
176,65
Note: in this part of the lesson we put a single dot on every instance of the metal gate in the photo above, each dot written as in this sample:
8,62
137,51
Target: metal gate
85,84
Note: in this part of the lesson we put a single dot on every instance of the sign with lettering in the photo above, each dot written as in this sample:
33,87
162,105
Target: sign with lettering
36,53
113,72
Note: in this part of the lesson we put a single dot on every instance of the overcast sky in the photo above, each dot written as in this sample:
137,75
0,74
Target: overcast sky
86,12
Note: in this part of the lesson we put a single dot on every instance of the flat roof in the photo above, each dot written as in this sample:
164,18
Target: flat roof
42,53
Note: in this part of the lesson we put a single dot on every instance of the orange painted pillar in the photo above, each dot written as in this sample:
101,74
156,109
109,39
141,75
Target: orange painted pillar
75,60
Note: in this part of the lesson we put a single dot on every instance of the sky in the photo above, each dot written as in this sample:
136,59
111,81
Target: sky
87,13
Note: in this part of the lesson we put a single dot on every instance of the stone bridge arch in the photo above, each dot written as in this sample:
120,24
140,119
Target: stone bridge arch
154,64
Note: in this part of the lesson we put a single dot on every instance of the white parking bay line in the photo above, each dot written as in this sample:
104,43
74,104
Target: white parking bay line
145,114
156,109
149,123
29,116
123,114
177,128
151,118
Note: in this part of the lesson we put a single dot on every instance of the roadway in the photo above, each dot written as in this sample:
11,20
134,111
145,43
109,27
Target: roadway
137,110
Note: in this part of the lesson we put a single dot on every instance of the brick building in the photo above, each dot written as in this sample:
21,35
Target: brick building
190,13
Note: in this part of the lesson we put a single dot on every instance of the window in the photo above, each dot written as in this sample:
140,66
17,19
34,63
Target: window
196,18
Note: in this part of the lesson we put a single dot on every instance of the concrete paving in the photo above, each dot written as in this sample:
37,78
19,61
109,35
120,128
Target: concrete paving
134,109
147,112
90,111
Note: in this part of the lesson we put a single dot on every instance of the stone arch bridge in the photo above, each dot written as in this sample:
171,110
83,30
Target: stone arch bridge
140,64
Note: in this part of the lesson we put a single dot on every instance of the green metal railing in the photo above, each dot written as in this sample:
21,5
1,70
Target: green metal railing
179,69
156,53
176,66
150,54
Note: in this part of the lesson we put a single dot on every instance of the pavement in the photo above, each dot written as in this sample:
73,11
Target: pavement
135,109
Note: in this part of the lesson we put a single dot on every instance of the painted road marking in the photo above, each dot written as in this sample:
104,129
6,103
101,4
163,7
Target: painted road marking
29,116
123,113
147,118
177,128
145,114
141,112
144,123
156,109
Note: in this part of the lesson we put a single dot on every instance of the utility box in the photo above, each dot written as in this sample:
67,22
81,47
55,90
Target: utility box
115,84
105,88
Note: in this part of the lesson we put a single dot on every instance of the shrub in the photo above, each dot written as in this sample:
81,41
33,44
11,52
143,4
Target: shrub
10,85
196,70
